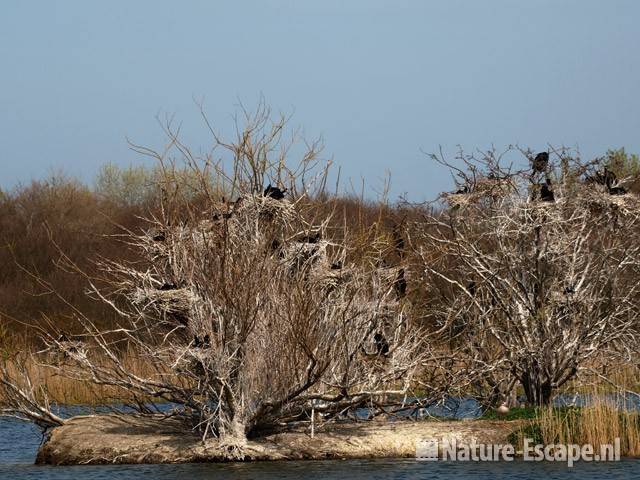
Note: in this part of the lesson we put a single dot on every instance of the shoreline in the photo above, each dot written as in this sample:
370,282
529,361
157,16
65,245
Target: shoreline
107,439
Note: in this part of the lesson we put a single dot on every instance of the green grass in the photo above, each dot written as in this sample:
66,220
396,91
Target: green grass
530,413
518,413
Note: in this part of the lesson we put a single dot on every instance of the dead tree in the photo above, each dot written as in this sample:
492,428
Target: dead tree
244,323
555,284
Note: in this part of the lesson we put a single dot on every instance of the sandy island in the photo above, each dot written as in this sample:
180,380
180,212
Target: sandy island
110,439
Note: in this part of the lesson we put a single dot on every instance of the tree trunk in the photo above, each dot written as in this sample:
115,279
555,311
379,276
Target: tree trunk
537,386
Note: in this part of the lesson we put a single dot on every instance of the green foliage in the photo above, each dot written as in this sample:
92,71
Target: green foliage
531,413
623,163
531,430
134,185
141,186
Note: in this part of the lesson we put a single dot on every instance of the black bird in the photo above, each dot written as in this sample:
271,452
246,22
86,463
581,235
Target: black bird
471,288
400,285
336,265
274,192
546,193
224,216
203,344
598,177
398,240
315,238
168,286
382,346
603,177
610,179
464,189
159,237
617,190
541,162
570,290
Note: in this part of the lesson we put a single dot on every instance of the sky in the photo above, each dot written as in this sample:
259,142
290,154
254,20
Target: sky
381,81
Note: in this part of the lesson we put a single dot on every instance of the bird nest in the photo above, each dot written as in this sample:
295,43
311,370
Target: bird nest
459,199
257,207
178,301
487,188
602,202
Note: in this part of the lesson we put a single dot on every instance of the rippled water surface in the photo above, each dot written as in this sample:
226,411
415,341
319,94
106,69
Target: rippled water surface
19,443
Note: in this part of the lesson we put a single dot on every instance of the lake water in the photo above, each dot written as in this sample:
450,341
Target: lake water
19,442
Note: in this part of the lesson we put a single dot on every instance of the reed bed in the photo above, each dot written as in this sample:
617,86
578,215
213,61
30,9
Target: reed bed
69,391
599,423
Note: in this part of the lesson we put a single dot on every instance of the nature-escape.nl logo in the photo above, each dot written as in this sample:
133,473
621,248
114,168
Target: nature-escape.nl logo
431,449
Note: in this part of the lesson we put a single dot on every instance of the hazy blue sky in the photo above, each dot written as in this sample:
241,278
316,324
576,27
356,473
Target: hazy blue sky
380,80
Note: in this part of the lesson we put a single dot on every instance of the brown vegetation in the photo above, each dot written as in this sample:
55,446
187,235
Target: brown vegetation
238,288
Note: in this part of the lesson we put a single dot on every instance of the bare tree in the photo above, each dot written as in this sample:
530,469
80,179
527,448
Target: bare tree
240,299
536,272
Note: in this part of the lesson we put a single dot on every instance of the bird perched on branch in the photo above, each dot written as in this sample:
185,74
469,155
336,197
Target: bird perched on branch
274,192
400,285
471,288
546,193
222,216
617,190
541,162
204,344
315,238
611,181
609,177
382,346
398,240
159,237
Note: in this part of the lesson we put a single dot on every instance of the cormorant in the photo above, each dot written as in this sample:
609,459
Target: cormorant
398,240
400,285
464,189
224,216
546,194
337,265
159,237
168,286
315,238
204,344
617,190
610,179
541,162
382,346
471,288
274,192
